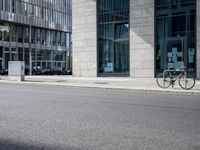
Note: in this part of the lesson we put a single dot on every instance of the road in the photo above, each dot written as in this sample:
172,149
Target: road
39,117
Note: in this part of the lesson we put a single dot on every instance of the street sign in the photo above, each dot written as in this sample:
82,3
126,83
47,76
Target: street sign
4,28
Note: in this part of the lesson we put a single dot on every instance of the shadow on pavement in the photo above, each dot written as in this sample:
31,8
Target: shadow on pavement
11,145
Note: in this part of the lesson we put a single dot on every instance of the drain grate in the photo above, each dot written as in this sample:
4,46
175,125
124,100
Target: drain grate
100,83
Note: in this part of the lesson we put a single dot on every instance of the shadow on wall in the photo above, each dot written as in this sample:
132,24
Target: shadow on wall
12,145
142,21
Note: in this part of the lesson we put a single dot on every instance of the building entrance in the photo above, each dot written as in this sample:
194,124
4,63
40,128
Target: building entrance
176,19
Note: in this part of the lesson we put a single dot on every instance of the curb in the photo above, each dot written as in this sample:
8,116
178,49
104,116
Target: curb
171,91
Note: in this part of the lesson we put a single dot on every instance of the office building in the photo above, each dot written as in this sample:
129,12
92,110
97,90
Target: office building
39,33
135,38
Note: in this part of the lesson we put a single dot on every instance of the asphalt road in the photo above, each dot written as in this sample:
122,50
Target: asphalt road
34,117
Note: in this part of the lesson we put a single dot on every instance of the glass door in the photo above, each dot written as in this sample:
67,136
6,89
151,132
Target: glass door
175,53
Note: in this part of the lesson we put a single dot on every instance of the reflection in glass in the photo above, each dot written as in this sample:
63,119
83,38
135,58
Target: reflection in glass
175,18
113,37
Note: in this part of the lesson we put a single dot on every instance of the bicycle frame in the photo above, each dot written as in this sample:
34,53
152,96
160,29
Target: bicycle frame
172,79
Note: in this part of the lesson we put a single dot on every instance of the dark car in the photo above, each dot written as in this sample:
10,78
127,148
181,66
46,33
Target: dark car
66,71
56,71
35,71
52,71
69,71
46,71
4,72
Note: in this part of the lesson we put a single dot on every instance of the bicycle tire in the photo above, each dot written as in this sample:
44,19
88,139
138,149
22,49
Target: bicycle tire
187,84
163,83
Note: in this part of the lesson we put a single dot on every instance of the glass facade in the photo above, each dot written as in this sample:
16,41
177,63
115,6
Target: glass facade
175,34
113,37
50,23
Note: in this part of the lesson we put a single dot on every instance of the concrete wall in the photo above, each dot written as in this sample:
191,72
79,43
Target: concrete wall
142,38
198,39
84,38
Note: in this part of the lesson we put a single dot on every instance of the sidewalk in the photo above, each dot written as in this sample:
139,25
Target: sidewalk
140,84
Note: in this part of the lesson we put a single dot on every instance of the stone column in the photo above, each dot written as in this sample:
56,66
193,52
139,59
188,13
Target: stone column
142,38
84,38
198,39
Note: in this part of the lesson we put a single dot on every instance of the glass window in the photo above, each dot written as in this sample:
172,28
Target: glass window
54,38
20,34
58,37
48,38
1,52
20,54
13,54
63,38
33,35
58,55
1,36
13,33
26,34
43,37
121,31
113,36
173,22
6,36
38,36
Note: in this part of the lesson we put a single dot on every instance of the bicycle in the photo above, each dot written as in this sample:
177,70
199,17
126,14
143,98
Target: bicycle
165,79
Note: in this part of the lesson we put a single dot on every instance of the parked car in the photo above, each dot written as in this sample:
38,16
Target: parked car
66,71
35,70
69,71
4,72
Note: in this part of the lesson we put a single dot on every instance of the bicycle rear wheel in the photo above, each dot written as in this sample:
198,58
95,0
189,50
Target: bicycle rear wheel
186,83
163,82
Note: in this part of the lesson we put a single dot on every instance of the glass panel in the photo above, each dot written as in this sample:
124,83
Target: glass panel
54,38
13,33
20,34
1,35
121,31
13,54
26,34
26,56
175,54
58,37
58,55
113,36
121,63
38,36
43,37
20,54
7,36
33,35
1,66
176,18
7,58
1,52
63,38
48,38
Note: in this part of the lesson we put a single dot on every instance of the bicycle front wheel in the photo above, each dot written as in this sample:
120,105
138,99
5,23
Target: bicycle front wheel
163,82
186,83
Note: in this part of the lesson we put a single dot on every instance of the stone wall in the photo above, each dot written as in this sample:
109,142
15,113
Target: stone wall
84,38
142,38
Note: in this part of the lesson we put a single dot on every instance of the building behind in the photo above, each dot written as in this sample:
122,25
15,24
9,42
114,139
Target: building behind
48,44
135,38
